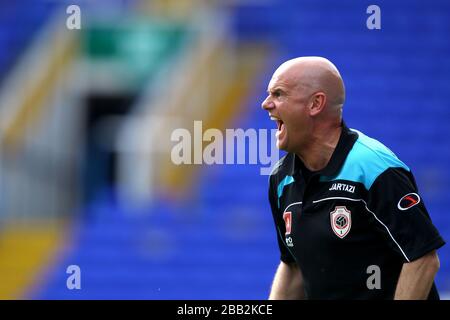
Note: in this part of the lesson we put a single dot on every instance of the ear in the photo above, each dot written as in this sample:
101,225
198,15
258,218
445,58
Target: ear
317,103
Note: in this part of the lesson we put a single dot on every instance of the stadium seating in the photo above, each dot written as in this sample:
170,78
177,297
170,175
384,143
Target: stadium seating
221,243
19,22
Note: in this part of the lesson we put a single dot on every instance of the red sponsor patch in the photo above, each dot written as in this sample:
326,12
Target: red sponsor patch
287,216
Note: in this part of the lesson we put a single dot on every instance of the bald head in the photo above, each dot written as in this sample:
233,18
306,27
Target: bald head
315,74
305,99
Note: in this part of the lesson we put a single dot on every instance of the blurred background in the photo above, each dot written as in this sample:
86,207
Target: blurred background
86,117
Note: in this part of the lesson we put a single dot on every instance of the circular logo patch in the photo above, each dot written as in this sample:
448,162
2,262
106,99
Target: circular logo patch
341,221
408,201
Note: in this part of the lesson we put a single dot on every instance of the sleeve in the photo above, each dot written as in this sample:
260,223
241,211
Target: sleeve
400,215
285,254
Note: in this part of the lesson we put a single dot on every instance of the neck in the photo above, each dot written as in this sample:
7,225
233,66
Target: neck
317,153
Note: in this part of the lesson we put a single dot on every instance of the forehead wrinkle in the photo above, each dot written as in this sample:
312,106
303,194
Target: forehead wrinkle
278,83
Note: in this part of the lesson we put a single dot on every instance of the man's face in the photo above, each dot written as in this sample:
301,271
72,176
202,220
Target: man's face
286,105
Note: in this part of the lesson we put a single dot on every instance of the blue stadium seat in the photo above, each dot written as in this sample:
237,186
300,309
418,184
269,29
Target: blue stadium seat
222,245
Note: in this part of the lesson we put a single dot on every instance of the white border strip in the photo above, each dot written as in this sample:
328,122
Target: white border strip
365,204
291,205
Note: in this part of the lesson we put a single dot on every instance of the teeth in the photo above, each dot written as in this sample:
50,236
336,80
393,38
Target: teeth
278,121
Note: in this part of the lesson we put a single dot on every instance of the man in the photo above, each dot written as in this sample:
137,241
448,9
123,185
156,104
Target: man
350,221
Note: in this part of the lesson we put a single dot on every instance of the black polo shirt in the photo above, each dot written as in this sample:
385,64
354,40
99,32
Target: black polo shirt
351,226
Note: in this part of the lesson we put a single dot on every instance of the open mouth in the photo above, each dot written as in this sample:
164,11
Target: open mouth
279,122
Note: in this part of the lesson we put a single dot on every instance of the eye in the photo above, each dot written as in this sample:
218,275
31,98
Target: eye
277,93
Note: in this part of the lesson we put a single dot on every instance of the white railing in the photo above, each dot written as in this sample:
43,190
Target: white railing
39,128
180,94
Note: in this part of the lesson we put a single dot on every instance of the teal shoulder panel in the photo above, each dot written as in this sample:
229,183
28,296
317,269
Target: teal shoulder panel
366,161
287,180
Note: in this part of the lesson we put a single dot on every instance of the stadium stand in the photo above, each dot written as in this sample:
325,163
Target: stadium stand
218,242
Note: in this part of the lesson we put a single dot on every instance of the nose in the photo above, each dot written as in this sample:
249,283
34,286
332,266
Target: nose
267,104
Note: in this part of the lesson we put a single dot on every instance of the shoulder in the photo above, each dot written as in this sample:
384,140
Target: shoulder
283,165
368,159
281,169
